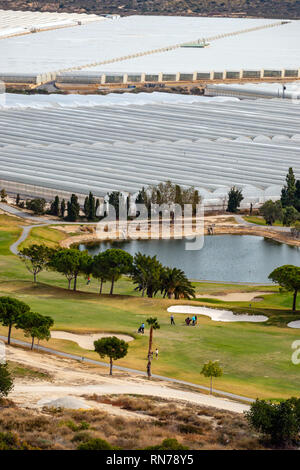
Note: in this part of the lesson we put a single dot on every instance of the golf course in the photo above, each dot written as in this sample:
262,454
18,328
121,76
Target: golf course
255,357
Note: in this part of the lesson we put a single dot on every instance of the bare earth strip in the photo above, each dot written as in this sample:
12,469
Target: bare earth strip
70,378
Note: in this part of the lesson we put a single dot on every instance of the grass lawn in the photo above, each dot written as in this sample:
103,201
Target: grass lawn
256,358
253,219
46,235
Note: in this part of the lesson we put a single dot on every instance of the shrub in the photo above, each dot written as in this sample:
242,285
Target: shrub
6,383
280,422
82,436
168,444
10,441
95,444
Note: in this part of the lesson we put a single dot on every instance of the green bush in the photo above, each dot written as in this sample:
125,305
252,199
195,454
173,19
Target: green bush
95,444
10,441
279,422
168,444
81,436
83,426
6,383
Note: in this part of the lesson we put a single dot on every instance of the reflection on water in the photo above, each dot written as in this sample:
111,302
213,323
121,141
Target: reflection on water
232,258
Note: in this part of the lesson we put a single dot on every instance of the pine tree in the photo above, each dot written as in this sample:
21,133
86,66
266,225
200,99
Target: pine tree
18,199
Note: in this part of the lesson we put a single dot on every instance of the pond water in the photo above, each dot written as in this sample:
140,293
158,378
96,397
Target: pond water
223,258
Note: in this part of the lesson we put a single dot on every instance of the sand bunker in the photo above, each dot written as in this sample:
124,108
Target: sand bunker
216,314
70,403
86,341
294,324
237,296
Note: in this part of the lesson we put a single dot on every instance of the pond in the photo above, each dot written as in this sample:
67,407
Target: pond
223,258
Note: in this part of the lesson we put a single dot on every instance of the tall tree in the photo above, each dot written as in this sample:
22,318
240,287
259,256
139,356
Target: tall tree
112,347
146,273
289,190
174,282
36,326
114,199
235,197
36,258
54,207
154,325
10,312
63,208
118,262
100,269
18,199
70,262
288,277
73,209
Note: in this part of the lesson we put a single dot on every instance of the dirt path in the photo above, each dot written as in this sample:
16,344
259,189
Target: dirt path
70,378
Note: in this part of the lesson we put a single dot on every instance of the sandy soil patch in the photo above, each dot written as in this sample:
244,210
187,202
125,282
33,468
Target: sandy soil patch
74,379
294,324
236,296
86,341
216,314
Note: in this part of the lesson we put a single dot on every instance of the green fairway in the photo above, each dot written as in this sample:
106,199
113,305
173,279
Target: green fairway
256,358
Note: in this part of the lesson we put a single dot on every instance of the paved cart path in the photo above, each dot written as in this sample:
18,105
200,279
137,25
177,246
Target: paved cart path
244,222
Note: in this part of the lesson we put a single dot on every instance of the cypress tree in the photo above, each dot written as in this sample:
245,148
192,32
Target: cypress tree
86,207
92,207
54,209
63,208
73,209
288,192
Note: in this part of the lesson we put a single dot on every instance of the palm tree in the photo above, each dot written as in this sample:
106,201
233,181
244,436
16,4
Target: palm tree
175,282
146,274
154,325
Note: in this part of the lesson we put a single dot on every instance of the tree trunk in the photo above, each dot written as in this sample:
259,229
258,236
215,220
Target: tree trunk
112,285
34,277
149,353
143,291
69,281
211,386
101,285
32,343
295,299
75,282
110,366
9,334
